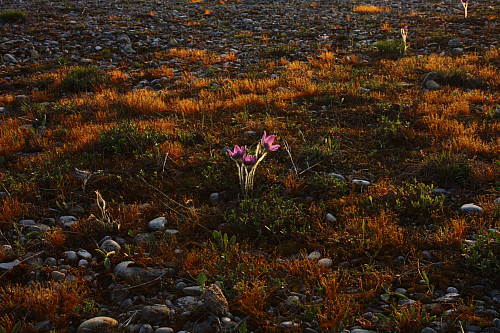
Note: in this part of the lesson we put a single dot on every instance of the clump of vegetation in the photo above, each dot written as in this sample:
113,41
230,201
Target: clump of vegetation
370,9
84,79
391,48
12,15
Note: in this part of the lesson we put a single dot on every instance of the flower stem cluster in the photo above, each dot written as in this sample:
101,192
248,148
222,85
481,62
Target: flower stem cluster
247,163
404,34
465,4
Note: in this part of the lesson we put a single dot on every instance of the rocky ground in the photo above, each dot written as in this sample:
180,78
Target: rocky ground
133,35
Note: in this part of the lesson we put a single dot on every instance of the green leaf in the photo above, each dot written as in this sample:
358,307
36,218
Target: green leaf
426,279
101,252
401,295
385,287
16,328
1,330
243,327
385,297
107,263
217,235
202,278
381,317
232,241
131,233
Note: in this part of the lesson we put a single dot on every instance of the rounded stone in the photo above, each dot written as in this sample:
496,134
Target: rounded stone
214,198
331,218
110,245
67,221
49,261
96,324
158,223
71,255
155,313
314,255
84,254
452,290
57,276
361,182
193,291
325,263
471,209
146,328
427,330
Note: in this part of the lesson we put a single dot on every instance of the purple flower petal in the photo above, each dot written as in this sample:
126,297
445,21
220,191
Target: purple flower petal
249,160
237,152
267,142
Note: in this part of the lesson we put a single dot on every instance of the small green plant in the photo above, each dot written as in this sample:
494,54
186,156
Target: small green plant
449,167
281,50
483,254
128,138
391,48
388,293
202,279
428,283
12,15
106,255
440,36
82,79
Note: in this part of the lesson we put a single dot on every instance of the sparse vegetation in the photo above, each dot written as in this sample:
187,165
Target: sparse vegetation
370,175
13,15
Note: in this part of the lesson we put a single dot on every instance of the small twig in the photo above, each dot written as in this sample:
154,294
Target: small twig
180,205
288,150
146,283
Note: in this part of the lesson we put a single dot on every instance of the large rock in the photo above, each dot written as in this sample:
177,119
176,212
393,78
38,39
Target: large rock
215,301
97,324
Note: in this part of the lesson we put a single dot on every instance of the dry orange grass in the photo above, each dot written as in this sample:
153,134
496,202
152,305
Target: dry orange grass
52,302
370,9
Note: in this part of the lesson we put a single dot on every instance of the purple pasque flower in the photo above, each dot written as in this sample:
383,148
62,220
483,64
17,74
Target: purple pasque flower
249,160
464,1
406,27
267,142
237,152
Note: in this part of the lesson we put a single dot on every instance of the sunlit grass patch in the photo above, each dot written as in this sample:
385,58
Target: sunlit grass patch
370,9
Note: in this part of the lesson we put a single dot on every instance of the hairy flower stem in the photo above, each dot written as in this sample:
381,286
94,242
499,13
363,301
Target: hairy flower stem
249,175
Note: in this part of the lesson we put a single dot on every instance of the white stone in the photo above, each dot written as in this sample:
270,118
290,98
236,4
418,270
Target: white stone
325,262
110,245
193,291
361,182
214,198
337,176
171,231
96,324
314,255
83,263
158,223
331,218
471,209
67,221
452,290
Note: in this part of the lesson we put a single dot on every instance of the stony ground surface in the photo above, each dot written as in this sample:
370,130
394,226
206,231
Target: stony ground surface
129,35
